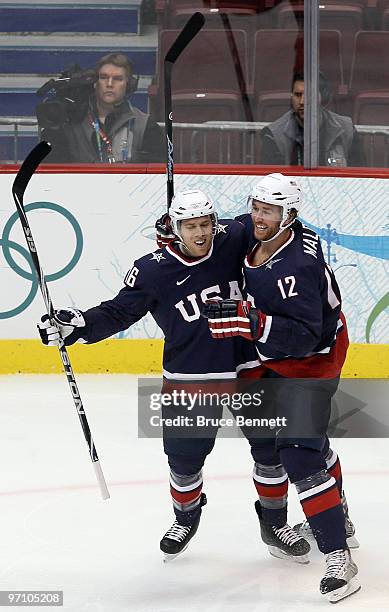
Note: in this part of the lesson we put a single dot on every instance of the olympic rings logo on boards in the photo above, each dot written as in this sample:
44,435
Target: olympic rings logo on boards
8,245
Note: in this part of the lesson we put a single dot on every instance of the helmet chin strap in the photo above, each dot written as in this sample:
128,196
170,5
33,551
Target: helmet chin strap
183,248
281,229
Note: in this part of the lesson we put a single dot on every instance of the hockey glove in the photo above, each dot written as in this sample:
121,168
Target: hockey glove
227,318
66,327
165,233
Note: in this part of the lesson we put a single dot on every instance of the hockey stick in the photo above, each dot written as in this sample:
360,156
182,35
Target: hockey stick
29,166
191,28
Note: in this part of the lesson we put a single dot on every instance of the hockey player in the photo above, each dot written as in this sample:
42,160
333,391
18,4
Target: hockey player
331,457
165,236
293,314
278,494
173,284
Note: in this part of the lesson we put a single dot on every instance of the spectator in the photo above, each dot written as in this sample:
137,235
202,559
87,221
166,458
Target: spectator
282,142
107,128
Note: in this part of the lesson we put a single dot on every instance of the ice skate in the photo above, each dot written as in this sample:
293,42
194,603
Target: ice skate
340,580
283,542
305,531
177,538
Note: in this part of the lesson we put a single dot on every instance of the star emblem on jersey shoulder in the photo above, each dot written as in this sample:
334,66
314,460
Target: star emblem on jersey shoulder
157,257
221,229
271,263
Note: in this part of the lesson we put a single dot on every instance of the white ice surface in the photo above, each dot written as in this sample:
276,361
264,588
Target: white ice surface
56,532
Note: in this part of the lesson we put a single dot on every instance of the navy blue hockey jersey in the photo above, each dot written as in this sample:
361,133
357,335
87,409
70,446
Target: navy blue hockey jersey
173,289
298,292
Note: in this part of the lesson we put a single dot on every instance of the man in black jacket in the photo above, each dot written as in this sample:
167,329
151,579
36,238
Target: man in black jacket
282,142
111,130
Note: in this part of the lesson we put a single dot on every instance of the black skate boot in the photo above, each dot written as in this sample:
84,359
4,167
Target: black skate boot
340,580
283,542
177,538
304,530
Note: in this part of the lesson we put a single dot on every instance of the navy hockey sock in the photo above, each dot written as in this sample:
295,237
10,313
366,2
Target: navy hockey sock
334,468
319,496
321,503
186,496
271,483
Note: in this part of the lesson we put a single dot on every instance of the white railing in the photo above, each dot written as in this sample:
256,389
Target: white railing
249,142
29,127
210,142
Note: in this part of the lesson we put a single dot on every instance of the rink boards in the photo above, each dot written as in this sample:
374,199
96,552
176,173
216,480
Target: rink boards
89,228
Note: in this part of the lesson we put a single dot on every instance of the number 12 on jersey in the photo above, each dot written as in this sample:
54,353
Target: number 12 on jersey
287,291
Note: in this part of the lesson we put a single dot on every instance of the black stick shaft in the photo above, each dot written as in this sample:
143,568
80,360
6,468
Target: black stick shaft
25,173
189,31
168,68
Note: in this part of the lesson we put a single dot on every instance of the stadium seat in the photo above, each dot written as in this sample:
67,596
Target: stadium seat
373,109
345,17
171,13
203,90
195,77
381,4
233,5
214,147
240,15
385,19
177,7
270,106
278,54
370,69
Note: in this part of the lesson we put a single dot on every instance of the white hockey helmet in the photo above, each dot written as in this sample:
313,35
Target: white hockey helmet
277,189
190,205
280,190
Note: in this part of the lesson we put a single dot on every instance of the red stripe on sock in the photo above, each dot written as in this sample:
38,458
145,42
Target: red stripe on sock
336,470
184,498
326,500
271,490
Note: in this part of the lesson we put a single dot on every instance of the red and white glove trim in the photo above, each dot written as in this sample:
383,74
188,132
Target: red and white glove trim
164,231
229,318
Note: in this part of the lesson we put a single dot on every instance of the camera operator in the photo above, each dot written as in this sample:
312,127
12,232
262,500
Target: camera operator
91,121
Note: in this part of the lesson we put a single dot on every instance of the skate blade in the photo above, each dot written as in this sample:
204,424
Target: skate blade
349,589
280,554
168,558
352,542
